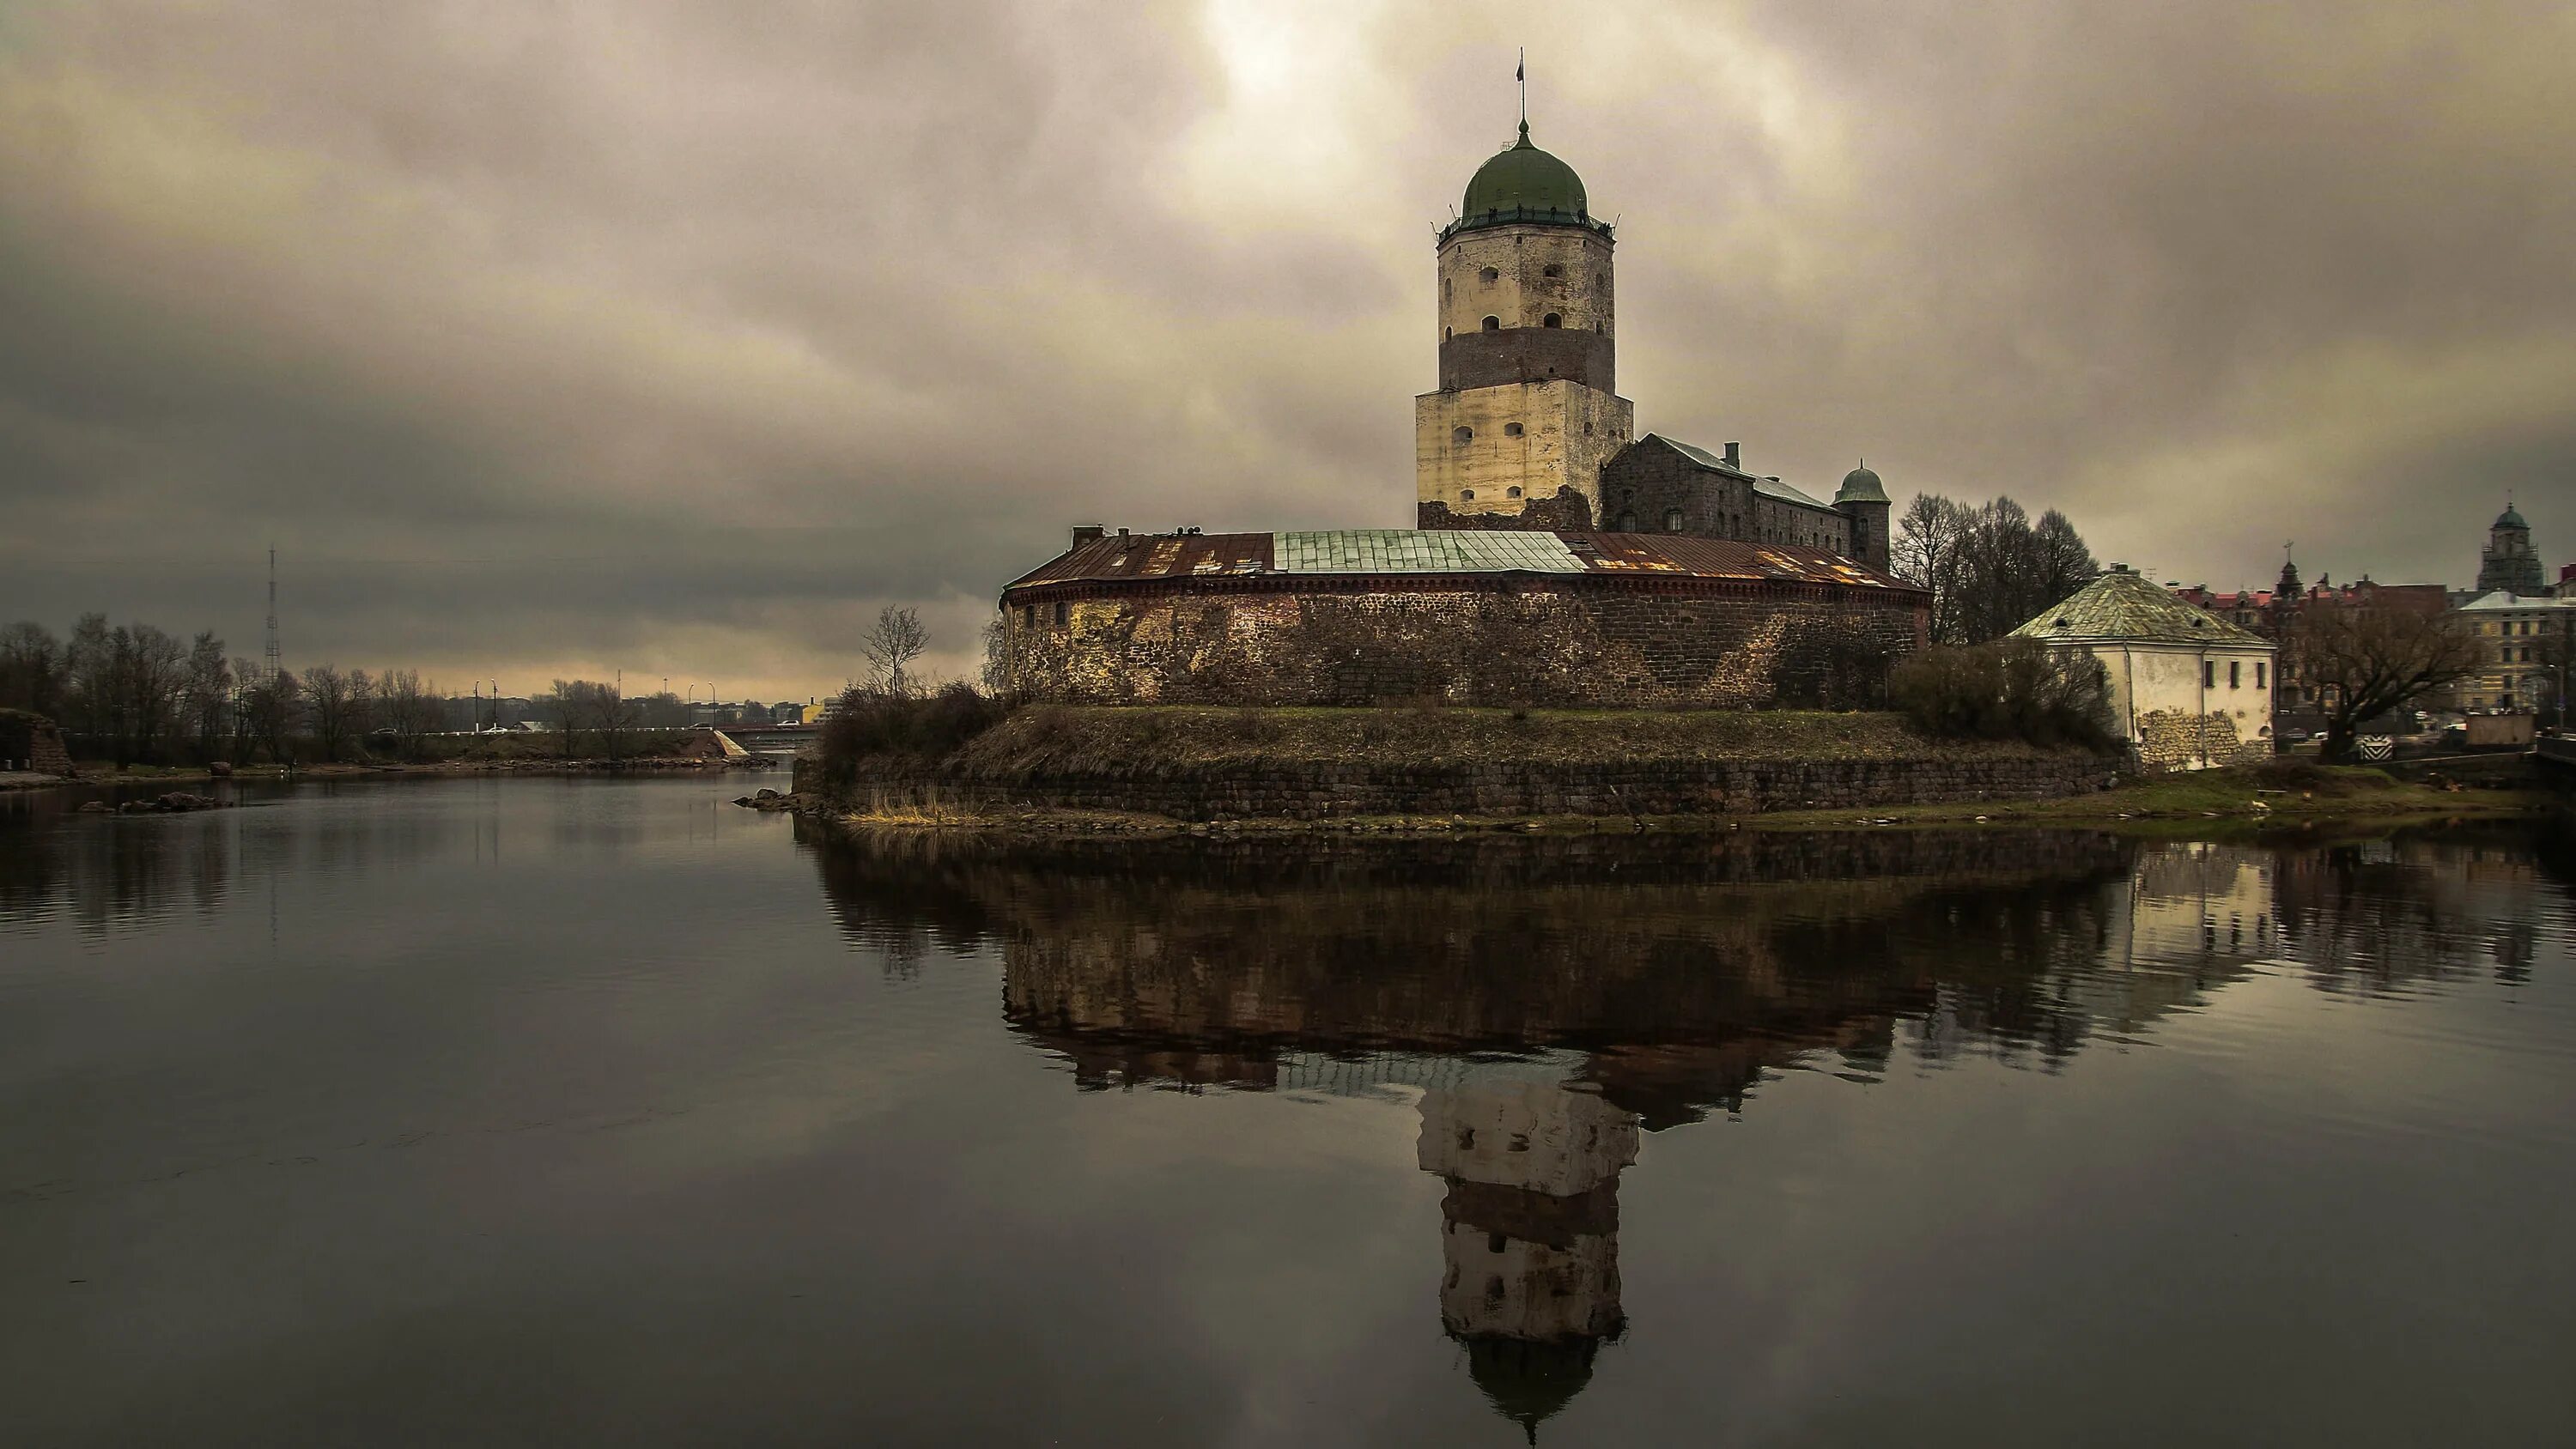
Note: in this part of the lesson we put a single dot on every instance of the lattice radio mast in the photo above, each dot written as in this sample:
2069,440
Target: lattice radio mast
269,665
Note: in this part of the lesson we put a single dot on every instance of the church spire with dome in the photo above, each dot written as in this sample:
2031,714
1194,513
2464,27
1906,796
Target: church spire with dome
2509,561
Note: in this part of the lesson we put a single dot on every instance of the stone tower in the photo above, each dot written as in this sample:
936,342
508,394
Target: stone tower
1528,408
2508,562
1863,501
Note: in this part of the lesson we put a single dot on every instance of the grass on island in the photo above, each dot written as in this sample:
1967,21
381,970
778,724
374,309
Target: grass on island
1143,741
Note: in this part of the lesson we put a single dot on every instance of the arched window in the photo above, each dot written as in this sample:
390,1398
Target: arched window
1463,436
1448,332
1063,613
1551,320
1511,430
1672,520
1552,271
1627,523
1511,493
1466,495
1487,275
1448,289
1493,324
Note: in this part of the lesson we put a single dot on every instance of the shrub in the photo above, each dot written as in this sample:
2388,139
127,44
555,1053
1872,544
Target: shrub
870,723
2006,689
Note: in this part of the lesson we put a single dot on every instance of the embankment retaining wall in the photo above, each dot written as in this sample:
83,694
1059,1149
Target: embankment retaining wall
1317,789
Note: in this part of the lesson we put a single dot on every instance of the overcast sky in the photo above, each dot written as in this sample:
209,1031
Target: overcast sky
678,338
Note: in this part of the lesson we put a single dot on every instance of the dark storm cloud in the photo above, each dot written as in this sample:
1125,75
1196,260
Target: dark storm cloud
678,337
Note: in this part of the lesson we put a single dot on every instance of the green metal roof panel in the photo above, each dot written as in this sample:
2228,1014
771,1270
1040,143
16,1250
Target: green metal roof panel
2132,609
1416,551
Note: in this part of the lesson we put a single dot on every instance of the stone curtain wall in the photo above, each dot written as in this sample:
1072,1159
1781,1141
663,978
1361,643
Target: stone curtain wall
2176,740
1596,648
1314,789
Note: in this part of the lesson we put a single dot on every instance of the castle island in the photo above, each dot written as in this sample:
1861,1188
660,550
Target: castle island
1558,559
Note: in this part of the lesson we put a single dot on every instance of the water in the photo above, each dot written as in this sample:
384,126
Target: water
537,1111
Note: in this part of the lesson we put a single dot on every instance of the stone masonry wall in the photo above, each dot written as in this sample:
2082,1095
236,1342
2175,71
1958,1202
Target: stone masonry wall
1648,485
1311,789
1592,647
2175,740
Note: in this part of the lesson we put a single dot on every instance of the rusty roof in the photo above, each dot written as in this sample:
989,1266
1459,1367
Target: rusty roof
1405,552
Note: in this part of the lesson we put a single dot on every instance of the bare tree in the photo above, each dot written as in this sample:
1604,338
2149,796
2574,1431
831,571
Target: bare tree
331,707
362,707
2364,660
568,707
891,644
207,694
32,667
274,706
408,708
147,673
1991,568
246,678
1928,540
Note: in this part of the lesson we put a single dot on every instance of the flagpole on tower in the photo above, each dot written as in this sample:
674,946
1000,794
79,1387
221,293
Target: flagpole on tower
1520,72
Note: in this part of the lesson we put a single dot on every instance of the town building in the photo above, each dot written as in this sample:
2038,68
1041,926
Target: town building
2272,613
2189,689
2523,647
2508,562
1556,561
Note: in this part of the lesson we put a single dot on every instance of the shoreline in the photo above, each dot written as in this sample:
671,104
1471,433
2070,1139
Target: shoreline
2214,805
273,774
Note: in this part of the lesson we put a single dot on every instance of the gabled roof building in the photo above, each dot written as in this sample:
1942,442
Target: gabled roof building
2188,688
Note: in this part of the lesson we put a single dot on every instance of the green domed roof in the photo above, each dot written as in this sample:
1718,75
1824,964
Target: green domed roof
2510,519
1860,485
1524,180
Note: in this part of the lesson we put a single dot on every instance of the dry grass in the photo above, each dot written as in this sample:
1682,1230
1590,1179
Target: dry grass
1148,741
910,805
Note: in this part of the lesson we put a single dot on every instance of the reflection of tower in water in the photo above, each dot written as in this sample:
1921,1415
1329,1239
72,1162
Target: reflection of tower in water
1529,1234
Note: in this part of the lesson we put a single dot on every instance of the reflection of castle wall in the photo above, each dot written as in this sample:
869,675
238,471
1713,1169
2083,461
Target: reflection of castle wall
1529,1236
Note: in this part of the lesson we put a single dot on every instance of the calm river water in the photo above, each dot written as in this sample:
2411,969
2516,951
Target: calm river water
540,1112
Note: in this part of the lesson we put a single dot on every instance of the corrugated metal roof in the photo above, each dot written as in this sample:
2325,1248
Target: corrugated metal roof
1725,558
1401,552
2129,608
1420,551
1770,486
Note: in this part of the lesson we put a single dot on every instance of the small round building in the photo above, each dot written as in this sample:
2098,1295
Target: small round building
1557,559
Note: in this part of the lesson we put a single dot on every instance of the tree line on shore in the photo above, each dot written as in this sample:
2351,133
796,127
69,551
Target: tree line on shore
134,694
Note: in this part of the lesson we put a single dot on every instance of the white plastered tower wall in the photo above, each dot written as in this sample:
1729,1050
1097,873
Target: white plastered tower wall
1567,431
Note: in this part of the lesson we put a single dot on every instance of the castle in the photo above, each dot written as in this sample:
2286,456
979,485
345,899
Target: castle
1528,430
1557,558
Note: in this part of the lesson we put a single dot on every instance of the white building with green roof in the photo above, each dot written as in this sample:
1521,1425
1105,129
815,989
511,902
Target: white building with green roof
2189,689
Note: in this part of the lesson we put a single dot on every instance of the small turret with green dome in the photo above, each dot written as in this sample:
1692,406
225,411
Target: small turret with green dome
1860,485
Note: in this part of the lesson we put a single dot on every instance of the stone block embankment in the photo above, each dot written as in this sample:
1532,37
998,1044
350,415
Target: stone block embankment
1312,790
